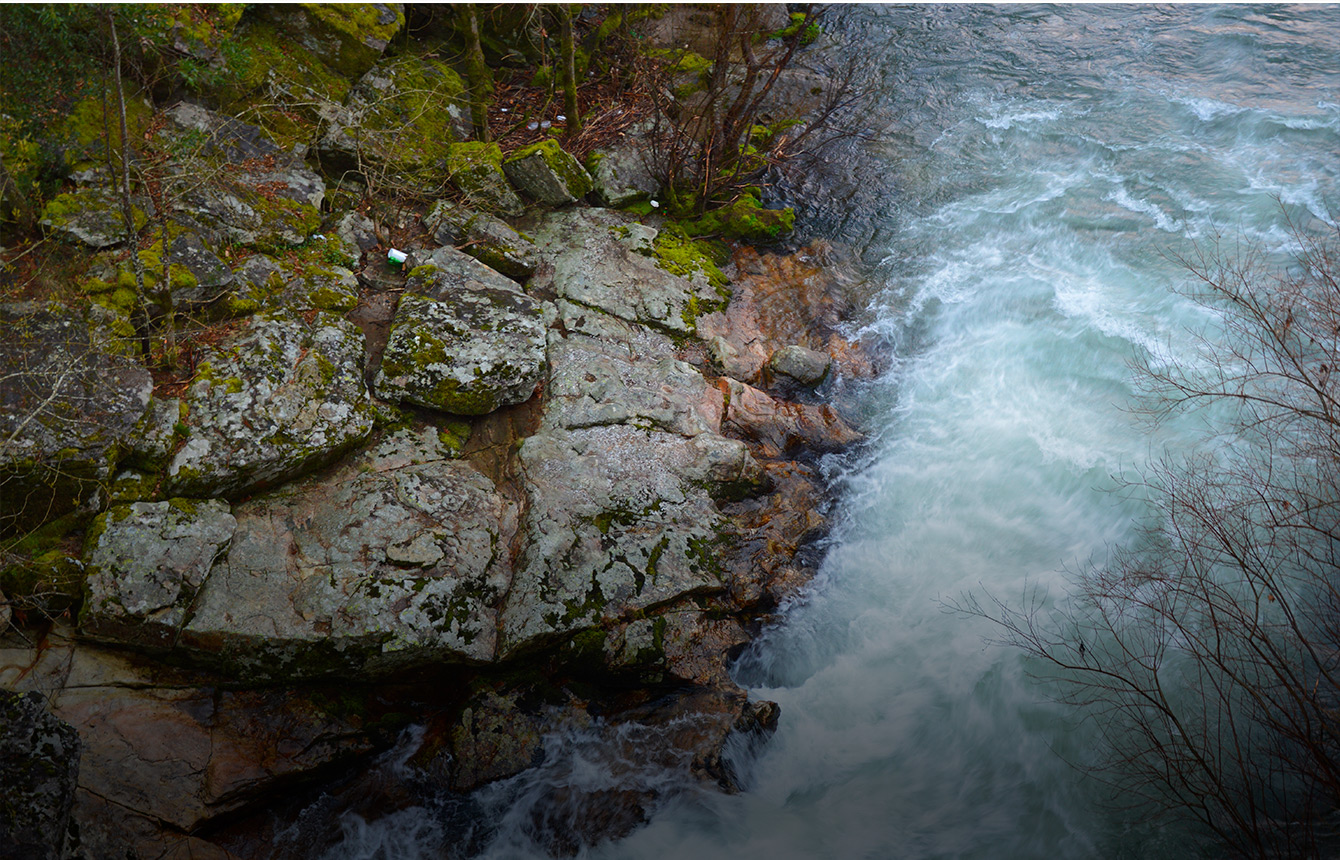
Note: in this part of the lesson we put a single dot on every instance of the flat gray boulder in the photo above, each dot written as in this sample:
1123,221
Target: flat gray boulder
468,353
439,272
278,399
603,370
397,558
145,562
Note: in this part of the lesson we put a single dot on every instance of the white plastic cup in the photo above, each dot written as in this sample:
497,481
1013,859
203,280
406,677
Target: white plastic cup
395,258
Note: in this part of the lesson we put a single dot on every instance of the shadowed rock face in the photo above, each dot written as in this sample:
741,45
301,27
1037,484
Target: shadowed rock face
39,766
68,412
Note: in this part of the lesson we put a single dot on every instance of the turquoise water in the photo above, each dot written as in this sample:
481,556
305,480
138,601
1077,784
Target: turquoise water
1043,166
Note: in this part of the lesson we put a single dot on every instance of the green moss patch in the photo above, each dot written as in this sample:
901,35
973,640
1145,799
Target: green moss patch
744,220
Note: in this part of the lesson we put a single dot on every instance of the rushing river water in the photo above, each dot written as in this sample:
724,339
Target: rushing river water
1043,163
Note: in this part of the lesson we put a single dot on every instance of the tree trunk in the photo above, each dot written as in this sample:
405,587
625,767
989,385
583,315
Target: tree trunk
122,152
479,74
568,65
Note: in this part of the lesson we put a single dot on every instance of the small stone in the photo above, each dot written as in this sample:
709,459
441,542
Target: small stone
806,366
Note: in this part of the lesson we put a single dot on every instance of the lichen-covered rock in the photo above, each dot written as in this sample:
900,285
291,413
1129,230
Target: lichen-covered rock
476,170
93,216
281,397
605,260
603,370
277,82
347,37
334,289
548,173
487,239
402,116
469,352
620,521
39,766
68,411
439,272
259,280
397,558
248,189
210,279
804,365
145,562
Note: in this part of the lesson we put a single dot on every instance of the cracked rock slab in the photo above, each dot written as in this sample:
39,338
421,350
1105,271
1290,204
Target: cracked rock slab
621,520
145,563
603,370
397,558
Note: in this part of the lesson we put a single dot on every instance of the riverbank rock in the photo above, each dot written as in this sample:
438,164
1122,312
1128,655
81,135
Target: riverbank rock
781,426
397,558
779,301
68,412
39,769
620,520
469,352
606,260
280,398
806,366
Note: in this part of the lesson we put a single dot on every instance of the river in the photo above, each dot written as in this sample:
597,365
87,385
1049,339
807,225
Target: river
1039,168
